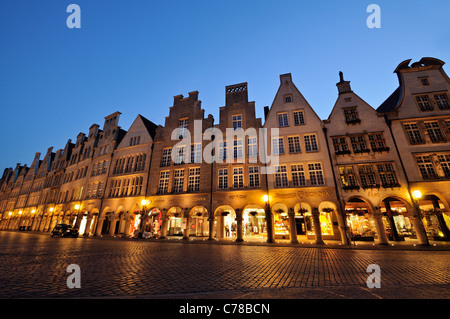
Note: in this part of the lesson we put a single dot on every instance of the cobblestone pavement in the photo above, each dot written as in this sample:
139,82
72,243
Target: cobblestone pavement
35,266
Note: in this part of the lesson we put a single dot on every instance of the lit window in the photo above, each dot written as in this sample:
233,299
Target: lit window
163,182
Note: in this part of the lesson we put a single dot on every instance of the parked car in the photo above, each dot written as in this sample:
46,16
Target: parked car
64,230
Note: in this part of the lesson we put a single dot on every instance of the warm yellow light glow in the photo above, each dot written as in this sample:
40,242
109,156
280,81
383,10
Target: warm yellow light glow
266,198
144,202
417,194
10,213
77,206
51,209
33,211
20,213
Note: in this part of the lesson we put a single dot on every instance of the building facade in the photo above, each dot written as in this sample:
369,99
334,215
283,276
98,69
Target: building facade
364,174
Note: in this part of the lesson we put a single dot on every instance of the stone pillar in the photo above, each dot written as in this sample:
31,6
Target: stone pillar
292,227
343,228
163,225
112,226
381,230
316,223
126,229
418,226
79,219
87,230
99,226
269,222
188,224
239,218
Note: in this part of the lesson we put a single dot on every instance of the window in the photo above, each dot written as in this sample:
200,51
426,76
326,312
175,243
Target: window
253,176
414,134
252,147
180,155
238,148
283,120
424,81
444,161
237,122
196,153
348,177
299,118
163,182
442,101
178,180
311,143
351,115
183,128
298,175
294,144
281,179
426,167
238,177
423,103
359,144
223,150
288,99
340,145
316,174
278,146
223,178
166,157
194,179
377,142
434,132
367,175
387,175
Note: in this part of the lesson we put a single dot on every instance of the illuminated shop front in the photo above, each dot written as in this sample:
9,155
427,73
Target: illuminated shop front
199,224
396,220
360,224
326,225
435,220
281,224
254,223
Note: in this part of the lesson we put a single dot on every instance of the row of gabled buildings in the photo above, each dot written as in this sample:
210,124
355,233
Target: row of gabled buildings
365,174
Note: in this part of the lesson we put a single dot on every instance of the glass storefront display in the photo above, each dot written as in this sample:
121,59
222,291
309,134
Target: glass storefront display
254,223
326,224
361,225
431,224
175,226
403,225
281,225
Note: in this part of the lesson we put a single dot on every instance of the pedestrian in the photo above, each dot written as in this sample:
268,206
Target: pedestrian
227,230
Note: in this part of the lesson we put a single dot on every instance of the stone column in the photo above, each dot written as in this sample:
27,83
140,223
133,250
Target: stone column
292,227
343,228
126,229
418,226
112,226
188,225
87,230
163,225
99,226
381,230
269,221
239,218
316,223
79,219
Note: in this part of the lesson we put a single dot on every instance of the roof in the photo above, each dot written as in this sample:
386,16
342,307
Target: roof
391,102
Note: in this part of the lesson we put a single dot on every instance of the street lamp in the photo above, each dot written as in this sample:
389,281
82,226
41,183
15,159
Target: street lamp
417,194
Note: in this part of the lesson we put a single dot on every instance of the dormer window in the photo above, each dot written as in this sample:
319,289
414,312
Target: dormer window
424,103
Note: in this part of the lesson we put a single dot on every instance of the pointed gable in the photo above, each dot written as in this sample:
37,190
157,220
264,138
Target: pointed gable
142,131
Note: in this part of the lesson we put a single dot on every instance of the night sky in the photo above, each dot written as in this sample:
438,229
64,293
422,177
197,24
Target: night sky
134,56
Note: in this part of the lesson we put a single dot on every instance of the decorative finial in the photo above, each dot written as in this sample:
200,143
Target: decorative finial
341,76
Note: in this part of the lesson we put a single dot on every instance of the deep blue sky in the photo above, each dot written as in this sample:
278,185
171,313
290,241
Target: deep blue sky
133,56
